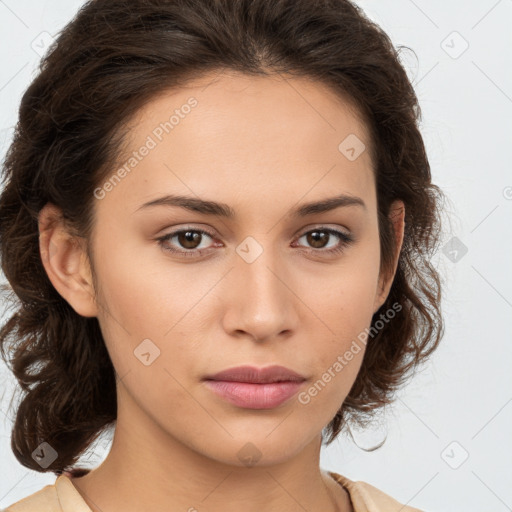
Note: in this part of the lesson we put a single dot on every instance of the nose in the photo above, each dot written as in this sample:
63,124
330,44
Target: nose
259,299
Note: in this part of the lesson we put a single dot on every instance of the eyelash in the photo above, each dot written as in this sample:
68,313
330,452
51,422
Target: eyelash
346,240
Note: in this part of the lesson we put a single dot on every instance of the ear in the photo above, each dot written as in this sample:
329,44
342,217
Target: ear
396,214
65,261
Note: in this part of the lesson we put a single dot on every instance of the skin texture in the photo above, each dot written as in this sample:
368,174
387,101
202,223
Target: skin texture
263,146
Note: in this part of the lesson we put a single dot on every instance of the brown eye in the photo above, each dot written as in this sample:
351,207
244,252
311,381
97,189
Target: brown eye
189,239
318,239
188,242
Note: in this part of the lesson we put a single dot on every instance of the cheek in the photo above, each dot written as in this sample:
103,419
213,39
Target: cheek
345,296
145,295
142,326
150,319
345,304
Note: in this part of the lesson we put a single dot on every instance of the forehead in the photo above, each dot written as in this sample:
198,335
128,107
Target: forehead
238,137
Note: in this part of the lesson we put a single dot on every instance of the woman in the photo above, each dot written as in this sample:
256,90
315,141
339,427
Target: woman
217,222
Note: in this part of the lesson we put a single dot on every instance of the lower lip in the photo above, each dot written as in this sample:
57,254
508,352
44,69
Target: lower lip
255,396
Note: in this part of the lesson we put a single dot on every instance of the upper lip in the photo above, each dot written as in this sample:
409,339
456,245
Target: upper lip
253,374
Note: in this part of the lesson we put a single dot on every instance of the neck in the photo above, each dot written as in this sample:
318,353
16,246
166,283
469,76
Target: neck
149,469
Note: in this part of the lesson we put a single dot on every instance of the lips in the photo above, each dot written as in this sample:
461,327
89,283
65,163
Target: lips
254,375
249,387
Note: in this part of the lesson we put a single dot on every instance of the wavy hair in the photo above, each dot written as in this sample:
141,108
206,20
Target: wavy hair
107,63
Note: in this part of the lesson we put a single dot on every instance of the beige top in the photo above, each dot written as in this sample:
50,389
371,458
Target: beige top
62,496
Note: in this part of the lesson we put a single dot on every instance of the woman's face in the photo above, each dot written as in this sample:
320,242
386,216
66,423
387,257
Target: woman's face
268,285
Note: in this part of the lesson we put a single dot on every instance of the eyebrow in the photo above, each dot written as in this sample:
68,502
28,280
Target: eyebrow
223,210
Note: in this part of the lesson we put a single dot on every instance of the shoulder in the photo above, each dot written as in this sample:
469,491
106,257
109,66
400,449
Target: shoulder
367,498
44,500
60,496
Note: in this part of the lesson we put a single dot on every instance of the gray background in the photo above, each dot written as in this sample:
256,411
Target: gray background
446,447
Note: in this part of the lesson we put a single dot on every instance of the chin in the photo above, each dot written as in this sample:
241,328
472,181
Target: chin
259,450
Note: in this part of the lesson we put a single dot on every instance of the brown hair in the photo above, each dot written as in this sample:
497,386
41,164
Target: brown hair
110,60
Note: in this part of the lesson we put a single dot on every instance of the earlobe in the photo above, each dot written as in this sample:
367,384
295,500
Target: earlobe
65,261
397,217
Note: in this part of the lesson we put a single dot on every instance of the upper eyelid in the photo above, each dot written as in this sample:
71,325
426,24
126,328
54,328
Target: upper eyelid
300,233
